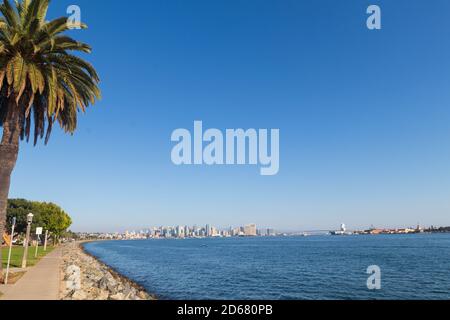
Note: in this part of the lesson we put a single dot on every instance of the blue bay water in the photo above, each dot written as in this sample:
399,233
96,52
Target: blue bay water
316,267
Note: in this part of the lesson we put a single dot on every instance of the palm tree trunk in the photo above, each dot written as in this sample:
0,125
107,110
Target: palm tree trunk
9,149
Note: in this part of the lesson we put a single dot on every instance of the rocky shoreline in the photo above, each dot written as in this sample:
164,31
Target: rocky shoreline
85,278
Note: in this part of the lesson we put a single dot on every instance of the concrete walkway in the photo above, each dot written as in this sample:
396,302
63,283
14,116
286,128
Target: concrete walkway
41,282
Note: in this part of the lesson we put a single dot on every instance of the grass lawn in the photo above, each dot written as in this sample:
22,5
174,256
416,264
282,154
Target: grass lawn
17,254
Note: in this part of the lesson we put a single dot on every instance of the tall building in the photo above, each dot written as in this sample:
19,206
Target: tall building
180,232
250,230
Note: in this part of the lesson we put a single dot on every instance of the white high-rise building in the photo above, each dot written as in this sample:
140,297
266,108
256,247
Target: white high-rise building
250,230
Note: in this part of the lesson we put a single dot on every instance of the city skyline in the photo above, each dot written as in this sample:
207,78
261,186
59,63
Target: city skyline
261,229
249,230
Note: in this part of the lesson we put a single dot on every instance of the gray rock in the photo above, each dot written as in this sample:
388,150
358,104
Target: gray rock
118,296
103,295
79,295
143,295
108,283
97,282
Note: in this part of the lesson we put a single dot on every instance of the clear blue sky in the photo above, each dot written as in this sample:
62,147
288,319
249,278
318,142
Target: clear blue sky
364,115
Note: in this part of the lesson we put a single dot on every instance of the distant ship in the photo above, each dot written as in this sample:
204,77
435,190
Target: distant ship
342,232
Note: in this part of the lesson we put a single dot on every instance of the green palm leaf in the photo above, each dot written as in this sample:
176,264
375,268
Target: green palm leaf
40,73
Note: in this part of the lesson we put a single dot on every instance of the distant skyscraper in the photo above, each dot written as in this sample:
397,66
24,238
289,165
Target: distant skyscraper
250,230
180,232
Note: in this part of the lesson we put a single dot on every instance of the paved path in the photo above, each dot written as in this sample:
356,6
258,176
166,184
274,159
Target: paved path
41,282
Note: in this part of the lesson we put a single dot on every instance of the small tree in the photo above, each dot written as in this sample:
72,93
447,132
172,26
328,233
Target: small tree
54,219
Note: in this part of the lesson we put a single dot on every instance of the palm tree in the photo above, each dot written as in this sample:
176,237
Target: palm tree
41,82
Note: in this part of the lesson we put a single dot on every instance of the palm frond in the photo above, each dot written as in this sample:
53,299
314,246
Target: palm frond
38,70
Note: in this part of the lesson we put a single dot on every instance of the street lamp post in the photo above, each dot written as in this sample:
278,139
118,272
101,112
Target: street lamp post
27,239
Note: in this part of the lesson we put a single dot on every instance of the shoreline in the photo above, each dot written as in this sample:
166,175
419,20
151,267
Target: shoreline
85,277
113,271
